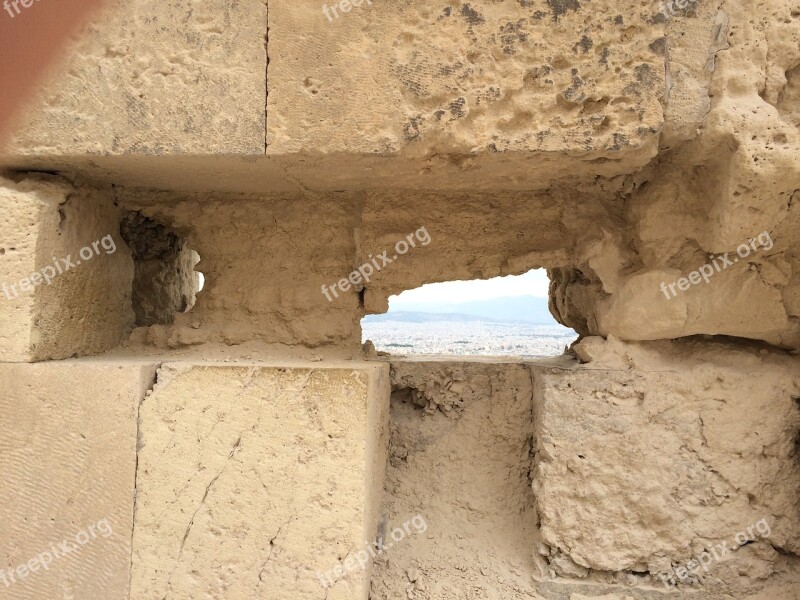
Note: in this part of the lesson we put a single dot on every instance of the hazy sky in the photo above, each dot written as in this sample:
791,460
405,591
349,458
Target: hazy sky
533,283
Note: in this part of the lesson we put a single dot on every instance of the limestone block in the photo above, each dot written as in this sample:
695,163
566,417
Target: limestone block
154,78
18,236
274,272
579,82
694,37
65,274
642,464
254,480
68,458
727,305
711,196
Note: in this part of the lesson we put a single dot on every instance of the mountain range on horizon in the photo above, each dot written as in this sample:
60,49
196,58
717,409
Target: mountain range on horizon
509,309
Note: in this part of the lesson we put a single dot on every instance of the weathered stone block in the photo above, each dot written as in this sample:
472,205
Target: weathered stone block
68,458
641,466
554,78
176,77
731,176
253,481
65,274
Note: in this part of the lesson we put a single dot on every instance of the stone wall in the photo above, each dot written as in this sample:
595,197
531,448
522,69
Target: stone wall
232,442
601,477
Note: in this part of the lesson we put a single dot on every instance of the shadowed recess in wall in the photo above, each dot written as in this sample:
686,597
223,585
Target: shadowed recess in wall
165,282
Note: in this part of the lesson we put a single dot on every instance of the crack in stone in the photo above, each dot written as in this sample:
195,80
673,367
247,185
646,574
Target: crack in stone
250,379
236,446
272,548
151,386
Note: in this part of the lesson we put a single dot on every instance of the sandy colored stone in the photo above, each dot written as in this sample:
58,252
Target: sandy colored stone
266,259
68,457
251,480
155,78
468,78
646,466
459,457
735,181
264,265
616,146
85,308
469,437
604,597
694,37
18,235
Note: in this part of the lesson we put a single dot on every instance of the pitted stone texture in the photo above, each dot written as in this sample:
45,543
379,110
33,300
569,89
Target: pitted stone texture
708,197
264,263
174,77
252,480
86,308
582,82
694,37
640,466
68,458
672,229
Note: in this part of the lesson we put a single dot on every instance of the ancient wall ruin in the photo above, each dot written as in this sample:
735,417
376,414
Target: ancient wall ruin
169,443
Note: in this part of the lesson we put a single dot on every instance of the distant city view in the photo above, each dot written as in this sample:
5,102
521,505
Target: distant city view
519,326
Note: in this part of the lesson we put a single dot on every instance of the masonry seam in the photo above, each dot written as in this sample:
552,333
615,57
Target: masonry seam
150,388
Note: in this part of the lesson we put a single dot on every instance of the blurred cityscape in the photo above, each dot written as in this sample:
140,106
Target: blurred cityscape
519,327
526,340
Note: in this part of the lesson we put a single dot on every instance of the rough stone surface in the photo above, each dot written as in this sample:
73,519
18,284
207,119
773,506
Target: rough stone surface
459,456
68,458
736,179
165,282
641,467
251,480
624,146
264,265
175,77
466,78
653,142
265,259
86,308
18,233
567,480
691,44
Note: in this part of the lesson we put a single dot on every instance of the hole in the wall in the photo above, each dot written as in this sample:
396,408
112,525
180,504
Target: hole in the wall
165,281
503,316
410,396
